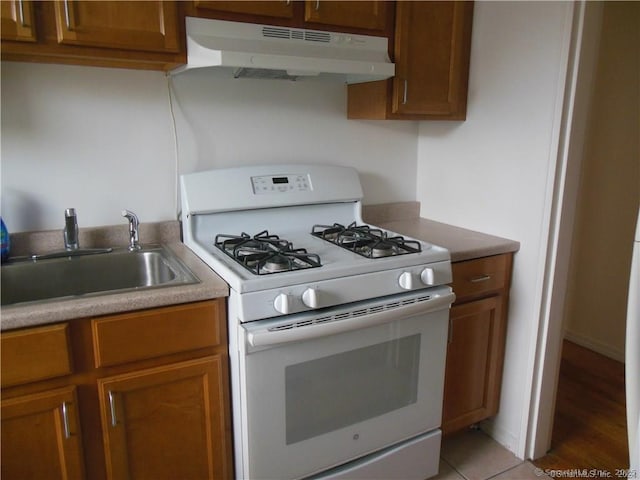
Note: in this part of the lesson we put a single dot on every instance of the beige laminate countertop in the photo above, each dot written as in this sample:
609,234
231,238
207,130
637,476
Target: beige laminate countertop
210,286
463,244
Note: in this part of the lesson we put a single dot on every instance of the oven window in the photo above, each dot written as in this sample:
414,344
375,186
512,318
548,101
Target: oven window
333,392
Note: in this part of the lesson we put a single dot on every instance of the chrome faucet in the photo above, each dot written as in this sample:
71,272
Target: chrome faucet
70,231
133,230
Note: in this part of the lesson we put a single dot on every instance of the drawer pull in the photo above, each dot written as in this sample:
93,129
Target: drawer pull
65,421
480,278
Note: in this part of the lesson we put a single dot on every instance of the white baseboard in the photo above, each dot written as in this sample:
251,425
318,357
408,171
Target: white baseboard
598,347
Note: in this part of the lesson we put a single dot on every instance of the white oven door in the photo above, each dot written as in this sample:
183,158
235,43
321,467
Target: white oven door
325,388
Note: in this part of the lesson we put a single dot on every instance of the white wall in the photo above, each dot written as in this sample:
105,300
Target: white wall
95,139
494,172
102,139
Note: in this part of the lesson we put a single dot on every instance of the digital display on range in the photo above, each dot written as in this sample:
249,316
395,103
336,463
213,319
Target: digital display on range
277,180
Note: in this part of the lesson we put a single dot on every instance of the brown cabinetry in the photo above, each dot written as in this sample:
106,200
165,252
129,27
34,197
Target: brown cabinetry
136,25
148,389
267,8
18,21
136,34
40,431
475,351
364,16
41,436
368,15
431,53
159,423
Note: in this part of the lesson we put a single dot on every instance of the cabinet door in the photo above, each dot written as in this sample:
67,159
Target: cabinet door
474,363
167,422
18,21
267,8
132,25
41,436
370,15
432,58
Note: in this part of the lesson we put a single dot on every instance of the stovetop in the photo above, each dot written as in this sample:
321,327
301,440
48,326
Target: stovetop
265,253
299,227
366,241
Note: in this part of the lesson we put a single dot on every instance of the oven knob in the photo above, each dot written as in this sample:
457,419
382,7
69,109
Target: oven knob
311,298
407,281
283,303
428,276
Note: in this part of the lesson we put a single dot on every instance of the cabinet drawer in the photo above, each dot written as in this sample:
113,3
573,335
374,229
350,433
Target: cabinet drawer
475,277
137,336
35,354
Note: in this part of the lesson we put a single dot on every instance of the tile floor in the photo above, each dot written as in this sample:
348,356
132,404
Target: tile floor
473,455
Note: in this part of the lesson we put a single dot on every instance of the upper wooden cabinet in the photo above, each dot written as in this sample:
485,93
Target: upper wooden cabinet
144,25
431,53
366,16
267,8
131,34
18,21
370,15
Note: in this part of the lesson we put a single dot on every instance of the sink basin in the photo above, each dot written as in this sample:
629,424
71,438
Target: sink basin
99,274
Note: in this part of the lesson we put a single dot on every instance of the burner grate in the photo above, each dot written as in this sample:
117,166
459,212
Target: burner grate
366,241
264,253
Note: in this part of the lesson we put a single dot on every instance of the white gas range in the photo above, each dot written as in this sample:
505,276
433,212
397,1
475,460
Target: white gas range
337,329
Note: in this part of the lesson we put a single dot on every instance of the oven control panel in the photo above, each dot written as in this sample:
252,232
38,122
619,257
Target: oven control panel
278,184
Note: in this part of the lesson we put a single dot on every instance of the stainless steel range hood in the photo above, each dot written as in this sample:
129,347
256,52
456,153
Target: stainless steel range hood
267,51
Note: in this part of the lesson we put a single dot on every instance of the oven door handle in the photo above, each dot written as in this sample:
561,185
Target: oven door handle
263,338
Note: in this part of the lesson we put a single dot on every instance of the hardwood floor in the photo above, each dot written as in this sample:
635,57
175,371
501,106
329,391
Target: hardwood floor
590,429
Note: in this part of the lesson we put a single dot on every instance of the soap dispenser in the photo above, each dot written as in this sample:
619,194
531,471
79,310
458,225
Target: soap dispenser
4,241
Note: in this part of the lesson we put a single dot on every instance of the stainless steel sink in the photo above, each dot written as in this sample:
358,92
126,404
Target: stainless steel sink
104,273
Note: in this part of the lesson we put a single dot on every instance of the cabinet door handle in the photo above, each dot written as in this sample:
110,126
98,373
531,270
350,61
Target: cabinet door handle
112,408
317,5
65,421
67,14
21,13
404,93
480,278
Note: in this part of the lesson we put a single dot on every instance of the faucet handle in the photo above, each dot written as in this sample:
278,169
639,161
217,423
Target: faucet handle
133,229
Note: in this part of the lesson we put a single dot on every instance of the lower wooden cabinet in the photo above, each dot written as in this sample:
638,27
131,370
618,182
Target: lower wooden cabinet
477,332
92,405
41,436
166,422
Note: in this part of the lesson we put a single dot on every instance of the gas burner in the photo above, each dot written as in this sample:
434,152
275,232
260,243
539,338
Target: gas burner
366,241
265,253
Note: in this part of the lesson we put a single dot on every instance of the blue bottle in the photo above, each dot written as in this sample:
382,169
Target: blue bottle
4,241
